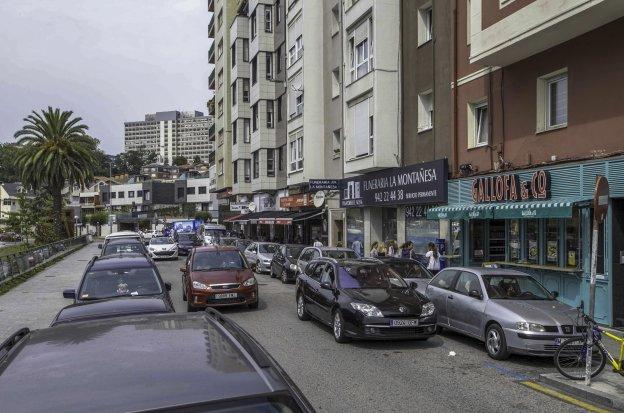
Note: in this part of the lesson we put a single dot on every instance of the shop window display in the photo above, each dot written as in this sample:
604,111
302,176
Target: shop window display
355,229
477,240
421,232
389,224
514,240
552,241
573,242
532,241
496,248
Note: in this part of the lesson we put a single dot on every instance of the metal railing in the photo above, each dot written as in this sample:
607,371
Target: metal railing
15,264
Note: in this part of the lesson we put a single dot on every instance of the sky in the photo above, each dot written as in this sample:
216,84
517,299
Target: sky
109,61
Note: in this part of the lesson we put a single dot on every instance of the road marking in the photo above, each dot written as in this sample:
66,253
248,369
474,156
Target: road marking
564,397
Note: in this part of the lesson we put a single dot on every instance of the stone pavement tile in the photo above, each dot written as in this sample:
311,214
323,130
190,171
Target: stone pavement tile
34,303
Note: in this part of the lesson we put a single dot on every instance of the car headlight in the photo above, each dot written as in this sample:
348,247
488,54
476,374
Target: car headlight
173,247
294,267
427,309
368,310
200,286
249,282
524,326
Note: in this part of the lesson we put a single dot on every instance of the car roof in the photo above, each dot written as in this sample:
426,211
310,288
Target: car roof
123,260
212,248
121,234
115,241
111,307
489,271
294,245
129,363
334,249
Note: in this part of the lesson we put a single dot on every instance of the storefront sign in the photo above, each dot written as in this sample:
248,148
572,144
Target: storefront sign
324,185
423,183
296,201
509,188
239,206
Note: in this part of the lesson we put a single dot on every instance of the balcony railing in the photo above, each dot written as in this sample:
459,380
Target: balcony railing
211,6
211,54
211,81
211,26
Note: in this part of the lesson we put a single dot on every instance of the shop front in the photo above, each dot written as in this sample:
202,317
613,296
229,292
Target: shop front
539,221
391,204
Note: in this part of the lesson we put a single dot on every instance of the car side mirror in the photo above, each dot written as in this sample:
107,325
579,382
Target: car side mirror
168,286
413,285
69,294
182,269
555,294
326,286
475,294
100,246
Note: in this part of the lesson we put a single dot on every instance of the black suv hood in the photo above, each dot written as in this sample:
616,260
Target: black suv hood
389,301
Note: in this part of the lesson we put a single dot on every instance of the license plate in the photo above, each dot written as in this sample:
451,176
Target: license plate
403,323
557,341
225,295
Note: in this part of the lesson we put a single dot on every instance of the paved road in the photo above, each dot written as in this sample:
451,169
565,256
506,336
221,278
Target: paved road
353,377
383,376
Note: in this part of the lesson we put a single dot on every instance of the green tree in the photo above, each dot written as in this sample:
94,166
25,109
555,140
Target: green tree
8,170
180,160
196,160
98,219
130,162
203,215
54,150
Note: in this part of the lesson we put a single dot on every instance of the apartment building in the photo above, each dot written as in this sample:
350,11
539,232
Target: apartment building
171,134
537,120
9,198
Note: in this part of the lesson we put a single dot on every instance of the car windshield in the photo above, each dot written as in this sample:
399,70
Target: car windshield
369,276
121,248
119,282
187,237
407,269
340,254
218,260
294,252
161,241
514,287
227,241
267,248
214,232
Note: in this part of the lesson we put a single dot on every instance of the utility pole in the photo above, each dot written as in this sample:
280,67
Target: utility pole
110,197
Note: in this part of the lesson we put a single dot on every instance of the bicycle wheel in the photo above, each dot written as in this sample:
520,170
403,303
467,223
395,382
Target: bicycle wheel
571,355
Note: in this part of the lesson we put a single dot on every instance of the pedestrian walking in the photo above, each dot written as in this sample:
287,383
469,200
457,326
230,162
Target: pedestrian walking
393,249
374,251
433,257
357,247
317,243
382,251
406,249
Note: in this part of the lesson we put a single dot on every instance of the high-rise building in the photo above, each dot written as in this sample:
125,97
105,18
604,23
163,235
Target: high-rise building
171,134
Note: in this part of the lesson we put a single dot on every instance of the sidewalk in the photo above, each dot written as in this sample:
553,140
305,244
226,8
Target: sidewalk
607,389
35,302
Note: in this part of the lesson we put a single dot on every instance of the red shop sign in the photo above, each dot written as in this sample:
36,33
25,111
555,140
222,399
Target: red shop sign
509,188
295,201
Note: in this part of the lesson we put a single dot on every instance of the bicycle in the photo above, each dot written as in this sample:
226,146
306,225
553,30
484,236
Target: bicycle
571,356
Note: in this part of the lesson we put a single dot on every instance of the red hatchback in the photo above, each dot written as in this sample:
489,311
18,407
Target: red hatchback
217,276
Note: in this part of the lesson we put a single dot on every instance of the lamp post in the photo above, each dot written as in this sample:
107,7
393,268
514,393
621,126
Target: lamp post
110,197
75,225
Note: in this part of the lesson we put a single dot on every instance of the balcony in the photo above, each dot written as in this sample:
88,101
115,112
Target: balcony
211,6
499,39
210,105
211,54
211,27
211,80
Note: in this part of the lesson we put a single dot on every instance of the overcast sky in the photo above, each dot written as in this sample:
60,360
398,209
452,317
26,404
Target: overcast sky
109,61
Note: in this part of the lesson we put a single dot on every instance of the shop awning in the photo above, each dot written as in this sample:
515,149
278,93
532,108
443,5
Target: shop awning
302,216
465,211
559,208
240,217
276,217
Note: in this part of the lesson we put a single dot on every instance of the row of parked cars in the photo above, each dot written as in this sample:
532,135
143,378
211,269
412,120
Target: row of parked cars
121,347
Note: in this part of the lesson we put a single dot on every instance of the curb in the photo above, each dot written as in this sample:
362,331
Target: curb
579,390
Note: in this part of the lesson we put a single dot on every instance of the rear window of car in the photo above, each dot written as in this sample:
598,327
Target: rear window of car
340,254
369,276
187,237
100,284
131,247
293,252
268,248
408,269
218,260
161,241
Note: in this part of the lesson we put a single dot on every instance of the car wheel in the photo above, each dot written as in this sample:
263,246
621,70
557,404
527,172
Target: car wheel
338,327
273,275
495,342
189,307
302,313
284,277
439,329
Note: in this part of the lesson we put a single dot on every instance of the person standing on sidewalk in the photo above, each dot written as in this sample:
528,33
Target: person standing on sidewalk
433,257
317,243
406,249
373,251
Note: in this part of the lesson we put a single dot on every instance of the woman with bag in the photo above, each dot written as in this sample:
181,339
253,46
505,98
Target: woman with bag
434,258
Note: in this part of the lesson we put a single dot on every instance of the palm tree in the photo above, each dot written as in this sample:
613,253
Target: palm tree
55,150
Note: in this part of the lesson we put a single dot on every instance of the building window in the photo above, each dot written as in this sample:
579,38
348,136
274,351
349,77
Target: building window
246,131
270,162
245,50
113,195
245,90
278,59
139,194
268,19
335,83
252,20
247,170
371,135
190,190
280,158
254,70
220,49
361,62
279,109
299,104
362,126
425,25
337,142
234,132
478,125
220,108
120,194
181,192
233,56
256,164
234,93
130,194
361,50
270,114
296,151
235,171
296,51
202,190
220,167
552,101
254,117
220,79
425,111
147,195
269,65
278,12
335,21
219,19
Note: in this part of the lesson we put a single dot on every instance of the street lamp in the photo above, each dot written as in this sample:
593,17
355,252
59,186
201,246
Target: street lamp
110,197
76,225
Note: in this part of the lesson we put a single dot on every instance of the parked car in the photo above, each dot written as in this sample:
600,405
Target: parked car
114,307
186,242
284,263
211,363
152,233
163,248
239,243
311,253
124,246
127,275
218,276
509,310
212,232
260,254
412,271
363,299
120,235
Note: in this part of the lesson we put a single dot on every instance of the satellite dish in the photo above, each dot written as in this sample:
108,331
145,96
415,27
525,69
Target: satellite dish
319,199
251,207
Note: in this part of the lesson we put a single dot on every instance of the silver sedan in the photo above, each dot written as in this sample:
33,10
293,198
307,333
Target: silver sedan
508,310
260,254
